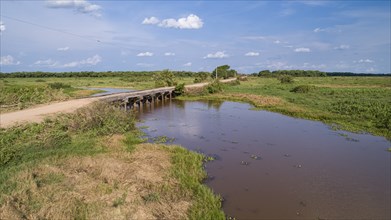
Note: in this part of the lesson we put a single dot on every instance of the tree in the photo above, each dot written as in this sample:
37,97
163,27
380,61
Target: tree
223,72
164,78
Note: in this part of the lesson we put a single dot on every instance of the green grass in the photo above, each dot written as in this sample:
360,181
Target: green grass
21,93
25,149
359,104
188,170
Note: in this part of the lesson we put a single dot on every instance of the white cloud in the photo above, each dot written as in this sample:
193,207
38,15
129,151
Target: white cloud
187,64
145,54
217,55
8,60
365,61
63,48
91,61
151,20
342,47
317,30
327,30
252,54
82,6
190,22
169,54
277,42
2,27
371,70
302,50
46,63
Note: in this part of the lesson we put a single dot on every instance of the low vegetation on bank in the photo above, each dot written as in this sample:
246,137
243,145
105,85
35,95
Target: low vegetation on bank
93,164
359,104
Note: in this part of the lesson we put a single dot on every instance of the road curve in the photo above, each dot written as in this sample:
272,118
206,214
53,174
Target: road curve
37,114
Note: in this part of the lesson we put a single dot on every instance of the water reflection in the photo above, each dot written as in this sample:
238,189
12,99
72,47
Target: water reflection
271,166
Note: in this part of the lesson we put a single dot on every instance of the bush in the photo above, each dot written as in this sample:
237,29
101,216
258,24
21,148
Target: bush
101,118
214,87
302,89
285,79
179,89
164,78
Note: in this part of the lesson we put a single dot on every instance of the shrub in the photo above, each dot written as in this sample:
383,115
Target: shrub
285,79
302,89
179,89
164,78
101,118
214,87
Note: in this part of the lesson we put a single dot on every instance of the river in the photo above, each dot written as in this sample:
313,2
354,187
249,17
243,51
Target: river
271,166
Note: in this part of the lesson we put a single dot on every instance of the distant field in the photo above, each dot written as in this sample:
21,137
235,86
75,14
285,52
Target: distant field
20,93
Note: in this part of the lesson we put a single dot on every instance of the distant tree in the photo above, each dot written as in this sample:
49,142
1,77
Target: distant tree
164,78
223,72
264,73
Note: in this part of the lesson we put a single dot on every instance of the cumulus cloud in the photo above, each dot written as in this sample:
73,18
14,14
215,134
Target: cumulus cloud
169,54
342,47
8,60
145,54
81,6
190,22
2,26
151,20
91,61
187,64
252,54
63,49
217,55
302,50
277,42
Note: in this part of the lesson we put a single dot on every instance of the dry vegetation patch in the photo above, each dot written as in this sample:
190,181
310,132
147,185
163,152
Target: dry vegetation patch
258,100
114,185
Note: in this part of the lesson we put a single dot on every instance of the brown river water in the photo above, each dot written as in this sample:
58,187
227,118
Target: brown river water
271,166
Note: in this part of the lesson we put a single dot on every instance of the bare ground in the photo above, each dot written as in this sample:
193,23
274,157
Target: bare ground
116,185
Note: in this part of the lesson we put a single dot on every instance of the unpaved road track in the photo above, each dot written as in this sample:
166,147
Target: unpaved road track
37,114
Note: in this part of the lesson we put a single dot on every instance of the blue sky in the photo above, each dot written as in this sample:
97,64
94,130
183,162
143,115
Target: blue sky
87,35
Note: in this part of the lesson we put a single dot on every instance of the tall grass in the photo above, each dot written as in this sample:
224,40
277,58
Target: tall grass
68,134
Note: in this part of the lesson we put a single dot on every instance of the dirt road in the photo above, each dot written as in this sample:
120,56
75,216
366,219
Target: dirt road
37,114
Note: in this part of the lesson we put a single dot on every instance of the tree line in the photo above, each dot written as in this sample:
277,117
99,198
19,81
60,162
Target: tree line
39,74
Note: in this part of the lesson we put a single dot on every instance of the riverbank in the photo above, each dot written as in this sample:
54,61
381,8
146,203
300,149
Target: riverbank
358,104
93,164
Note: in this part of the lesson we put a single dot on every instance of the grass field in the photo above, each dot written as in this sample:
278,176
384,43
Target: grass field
20,93
92,165
359,104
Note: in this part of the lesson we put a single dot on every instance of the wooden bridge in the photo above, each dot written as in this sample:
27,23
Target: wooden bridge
140,98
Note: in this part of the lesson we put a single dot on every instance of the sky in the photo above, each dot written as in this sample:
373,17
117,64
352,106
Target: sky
250,36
